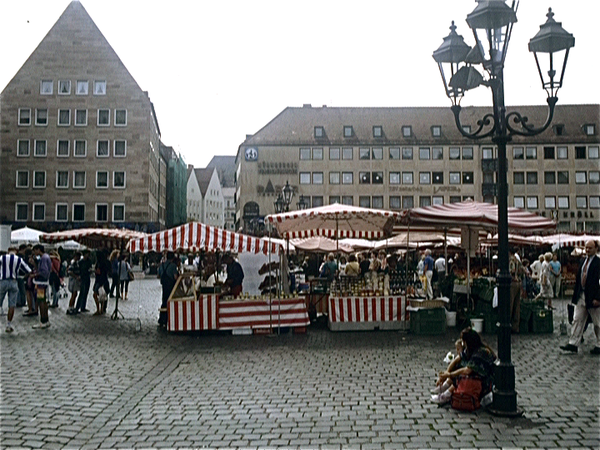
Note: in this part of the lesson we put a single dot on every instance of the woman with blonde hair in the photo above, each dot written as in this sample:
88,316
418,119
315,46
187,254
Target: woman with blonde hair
546,291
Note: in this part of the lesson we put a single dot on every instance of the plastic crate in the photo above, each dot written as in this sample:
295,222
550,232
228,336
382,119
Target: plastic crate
428,321
541,321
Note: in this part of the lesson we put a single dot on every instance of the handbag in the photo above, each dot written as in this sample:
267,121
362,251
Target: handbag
130,275
466,395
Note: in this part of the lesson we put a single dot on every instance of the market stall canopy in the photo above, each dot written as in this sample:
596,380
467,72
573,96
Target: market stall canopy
196,236
513,239
320,244
411,239
359,244
567,240
25,235
335,221
476,215
94,237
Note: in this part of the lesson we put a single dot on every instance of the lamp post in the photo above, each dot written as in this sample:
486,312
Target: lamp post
492,22
302,203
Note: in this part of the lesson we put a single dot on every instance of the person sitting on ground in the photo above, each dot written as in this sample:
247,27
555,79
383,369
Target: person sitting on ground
443,386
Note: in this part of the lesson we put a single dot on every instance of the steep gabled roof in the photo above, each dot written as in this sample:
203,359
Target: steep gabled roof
225,166
204,176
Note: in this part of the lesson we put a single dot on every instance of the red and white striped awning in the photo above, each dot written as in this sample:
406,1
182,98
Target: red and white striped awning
476,215
335,221
94,237
197,236
568,240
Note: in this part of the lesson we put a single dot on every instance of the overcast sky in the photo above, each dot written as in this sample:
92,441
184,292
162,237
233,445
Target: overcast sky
218,70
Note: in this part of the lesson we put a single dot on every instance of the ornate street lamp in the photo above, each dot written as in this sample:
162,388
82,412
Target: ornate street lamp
279,204
302,203
492,22
288,194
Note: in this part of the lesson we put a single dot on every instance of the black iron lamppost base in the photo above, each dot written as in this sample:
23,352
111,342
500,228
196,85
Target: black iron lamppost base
513,414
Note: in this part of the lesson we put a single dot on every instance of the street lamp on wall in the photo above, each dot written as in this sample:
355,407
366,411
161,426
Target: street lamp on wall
302,203
492,22
284,199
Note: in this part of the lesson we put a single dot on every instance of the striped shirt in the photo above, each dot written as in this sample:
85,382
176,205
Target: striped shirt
11,265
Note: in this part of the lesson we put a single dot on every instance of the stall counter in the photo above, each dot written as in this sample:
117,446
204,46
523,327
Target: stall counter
349,313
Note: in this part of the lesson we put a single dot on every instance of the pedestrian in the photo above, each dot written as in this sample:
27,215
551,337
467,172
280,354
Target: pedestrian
55,277
586,298
235,275
22,280
428,264
41,281
440,268
85,268
74,281
124,270
546,292
102,271
114,263
168,273
536,270
11,267
516,282
555,269
30,295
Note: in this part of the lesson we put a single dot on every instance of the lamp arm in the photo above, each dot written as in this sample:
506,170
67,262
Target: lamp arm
487,120
528,130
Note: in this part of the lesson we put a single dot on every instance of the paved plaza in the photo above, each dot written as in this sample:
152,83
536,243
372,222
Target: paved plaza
91,382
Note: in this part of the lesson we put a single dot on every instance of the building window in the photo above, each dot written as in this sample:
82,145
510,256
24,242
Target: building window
317,153
594,177
24,116
395,153
550,202
82,87
39,179
563,177
437,153
120,117
120,149
594,202
424,178
40,149
102,179
364,153
377,131
101,212
488,177
64,117
455,199
519,178
347,178
532,178
407,153
22,179
119,180
532,202
377,153
580,177
102,149
394,177
579,152
334,199
487,153
347,200
563,202
518,153
64,87
436,131
364,178
62,148
406,131
593,152
41,116
39,212
424,201
407,178
305,154
562,153
467,152
519,202
531,153
437,177
99,87
304,177
62,179
61,213
549,178
347,153
395,202
581,202
377,202
467,177
319,132
334,178
79,179
559,129
118,212
348,131
364,201
80,117
589,129
377,177
80,150
22,148
317,177
103,117
334,154
549,153
317,201
454,153
21,212
424,153
78,212
437,200
46,87
408,202
454,177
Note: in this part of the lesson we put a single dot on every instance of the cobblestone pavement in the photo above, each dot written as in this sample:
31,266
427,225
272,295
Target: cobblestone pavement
91,382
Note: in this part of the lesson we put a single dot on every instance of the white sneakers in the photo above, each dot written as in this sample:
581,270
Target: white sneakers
442,398
9,328
442,387
41,325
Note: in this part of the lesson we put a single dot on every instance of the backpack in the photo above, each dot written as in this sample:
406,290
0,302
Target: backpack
467,393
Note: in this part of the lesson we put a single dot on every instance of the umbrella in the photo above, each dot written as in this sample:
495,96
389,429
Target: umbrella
320,244
94,237
25,235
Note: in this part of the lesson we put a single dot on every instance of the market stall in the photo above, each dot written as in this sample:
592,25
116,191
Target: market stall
191,308
353,303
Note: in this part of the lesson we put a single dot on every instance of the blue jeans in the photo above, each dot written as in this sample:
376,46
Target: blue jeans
11,288
83,294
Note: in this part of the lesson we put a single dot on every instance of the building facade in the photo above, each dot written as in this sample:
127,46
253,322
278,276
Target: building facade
225,166
205,197
80,141
400,158
176,189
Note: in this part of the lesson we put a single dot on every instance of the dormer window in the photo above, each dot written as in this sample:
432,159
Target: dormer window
589,129
406,131
467,129
319,132
348,131
559,129
436,131
377,131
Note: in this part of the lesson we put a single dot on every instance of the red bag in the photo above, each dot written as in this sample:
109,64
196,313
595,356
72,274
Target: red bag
467,393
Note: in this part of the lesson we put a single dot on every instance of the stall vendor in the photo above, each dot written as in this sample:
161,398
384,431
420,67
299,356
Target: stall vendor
235,275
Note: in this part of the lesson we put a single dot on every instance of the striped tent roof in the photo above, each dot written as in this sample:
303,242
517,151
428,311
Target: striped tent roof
476,215
335,221
94,237
195,236
568,240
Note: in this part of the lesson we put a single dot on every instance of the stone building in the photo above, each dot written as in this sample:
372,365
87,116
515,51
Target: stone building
205,202
399,158
80,141
225,166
